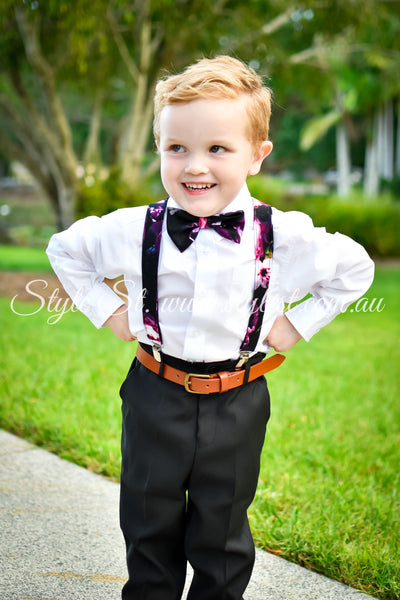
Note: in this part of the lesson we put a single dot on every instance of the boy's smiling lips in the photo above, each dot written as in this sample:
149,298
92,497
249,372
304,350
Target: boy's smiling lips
198,188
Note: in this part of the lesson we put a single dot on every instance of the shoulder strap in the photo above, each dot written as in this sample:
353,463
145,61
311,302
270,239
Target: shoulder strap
264,244
150,255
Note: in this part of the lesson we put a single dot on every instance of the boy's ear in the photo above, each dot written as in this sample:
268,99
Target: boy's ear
262,152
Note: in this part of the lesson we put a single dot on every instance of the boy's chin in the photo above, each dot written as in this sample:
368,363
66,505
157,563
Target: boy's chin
202,208
201,213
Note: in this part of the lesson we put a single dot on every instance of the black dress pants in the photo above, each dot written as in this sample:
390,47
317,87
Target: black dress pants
190,465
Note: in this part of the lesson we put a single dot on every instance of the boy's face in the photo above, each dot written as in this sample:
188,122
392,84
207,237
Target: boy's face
206,154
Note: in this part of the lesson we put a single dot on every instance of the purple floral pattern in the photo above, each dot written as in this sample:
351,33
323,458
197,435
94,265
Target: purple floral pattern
264,243
150,255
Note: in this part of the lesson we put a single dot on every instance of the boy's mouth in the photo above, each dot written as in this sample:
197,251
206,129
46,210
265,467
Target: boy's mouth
198,187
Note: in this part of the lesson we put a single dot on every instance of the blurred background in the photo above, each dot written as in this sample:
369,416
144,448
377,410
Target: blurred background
77,82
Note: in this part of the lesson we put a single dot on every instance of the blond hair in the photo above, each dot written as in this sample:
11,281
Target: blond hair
217,78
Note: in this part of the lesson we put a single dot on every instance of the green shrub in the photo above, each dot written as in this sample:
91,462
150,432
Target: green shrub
23,258
374,223
270,190
105,196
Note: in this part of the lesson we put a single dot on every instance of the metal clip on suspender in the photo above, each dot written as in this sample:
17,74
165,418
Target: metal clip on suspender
244,357
156,348
157,352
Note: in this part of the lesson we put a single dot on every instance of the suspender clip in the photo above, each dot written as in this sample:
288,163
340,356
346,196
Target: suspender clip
244,357
157,352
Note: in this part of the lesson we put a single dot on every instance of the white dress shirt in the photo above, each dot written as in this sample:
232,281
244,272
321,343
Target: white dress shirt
205,292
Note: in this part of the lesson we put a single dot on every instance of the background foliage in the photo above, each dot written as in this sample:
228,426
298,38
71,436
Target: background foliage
77,82
374,224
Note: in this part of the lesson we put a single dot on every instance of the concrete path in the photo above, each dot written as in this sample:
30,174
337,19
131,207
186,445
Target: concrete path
60,538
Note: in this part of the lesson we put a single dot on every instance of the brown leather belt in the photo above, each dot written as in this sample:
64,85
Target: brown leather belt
215,383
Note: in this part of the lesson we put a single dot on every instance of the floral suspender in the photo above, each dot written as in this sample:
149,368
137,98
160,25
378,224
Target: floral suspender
264,244
150,256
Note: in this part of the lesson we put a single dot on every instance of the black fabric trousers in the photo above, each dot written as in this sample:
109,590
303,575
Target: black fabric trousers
190,465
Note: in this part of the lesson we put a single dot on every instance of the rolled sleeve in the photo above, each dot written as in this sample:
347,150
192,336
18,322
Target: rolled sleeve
99,304
91,250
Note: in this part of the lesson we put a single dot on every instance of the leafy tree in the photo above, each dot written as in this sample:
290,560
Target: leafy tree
77,79
52,51
35,53
360,69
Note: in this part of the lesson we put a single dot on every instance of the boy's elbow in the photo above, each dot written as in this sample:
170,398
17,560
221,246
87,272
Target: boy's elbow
369,271
50,247
361,267
53,248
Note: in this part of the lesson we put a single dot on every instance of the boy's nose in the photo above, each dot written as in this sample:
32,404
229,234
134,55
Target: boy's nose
196,165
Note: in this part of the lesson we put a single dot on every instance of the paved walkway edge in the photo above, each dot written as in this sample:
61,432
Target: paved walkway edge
60,537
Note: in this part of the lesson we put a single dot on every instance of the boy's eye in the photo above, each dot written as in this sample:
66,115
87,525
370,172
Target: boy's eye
177,148
216,149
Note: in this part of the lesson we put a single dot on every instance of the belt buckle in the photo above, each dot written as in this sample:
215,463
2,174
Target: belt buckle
187,381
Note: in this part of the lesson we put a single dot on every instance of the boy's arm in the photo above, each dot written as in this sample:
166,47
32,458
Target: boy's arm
282,335
334,269
119,324
89,251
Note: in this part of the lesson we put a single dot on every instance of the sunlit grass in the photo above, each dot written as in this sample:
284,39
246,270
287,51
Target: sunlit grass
328,496
21,258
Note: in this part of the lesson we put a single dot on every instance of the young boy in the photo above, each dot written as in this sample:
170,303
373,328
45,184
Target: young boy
205,301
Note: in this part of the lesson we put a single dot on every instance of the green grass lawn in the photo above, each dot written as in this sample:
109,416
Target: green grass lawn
328,496
21,258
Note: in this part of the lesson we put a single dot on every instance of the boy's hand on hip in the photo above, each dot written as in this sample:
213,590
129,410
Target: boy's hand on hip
282,335
119,324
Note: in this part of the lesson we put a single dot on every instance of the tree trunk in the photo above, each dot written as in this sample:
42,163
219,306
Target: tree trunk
386,141
65,208
92,154
37,131
371,167
379,157
43,72
397,163
132,143
343,160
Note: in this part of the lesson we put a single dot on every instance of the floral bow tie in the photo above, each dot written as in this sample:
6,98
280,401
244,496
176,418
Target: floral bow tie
183,228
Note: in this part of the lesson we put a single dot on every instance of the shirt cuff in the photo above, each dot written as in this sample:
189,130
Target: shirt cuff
99,304
309,316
